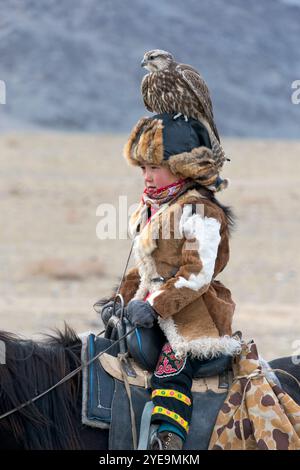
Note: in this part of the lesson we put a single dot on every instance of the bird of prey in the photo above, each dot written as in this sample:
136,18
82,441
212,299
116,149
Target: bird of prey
176,88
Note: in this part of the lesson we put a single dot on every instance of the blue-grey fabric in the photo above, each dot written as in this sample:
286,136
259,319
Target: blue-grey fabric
100,385
140,313
210,367
120,436
144,345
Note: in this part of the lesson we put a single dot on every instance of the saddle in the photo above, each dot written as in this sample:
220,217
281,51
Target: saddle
105,392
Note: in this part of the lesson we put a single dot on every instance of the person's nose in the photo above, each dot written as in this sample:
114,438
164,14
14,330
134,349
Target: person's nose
148,176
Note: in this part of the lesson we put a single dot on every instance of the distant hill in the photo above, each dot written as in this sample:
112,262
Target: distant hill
75,66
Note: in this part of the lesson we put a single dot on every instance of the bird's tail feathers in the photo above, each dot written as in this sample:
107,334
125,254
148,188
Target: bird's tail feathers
216,146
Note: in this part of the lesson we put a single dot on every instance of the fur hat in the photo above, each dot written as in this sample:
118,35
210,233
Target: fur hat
184,146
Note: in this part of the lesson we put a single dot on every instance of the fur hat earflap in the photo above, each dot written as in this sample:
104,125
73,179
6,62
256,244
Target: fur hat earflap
197,164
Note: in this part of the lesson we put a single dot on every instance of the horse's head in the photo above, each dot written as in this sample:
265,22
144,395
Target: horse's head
31,368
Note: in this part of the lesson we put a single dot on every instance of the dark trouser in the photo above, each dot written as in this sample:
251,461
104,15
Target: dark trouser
171,390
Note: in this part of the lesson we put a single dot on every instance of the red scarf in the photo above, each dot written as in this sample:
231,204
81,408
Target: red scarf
155,198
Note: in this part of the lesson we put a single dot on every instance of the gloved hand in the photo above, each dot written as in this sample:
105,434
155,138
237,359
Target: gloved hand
140,313
107,311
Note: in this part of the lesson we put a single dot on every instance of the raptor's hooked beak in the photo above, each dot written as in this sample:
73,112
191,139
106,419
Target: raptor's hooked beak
143,63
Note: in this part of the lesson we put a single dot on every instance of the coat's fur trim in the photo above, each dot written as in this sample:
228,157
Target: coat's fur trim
147,270
145,263
204,347
205,231
145,143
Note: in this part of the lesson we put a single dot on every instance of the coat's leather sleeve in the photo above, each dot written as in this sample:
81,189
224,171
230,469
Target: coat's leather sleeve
201,238
130,284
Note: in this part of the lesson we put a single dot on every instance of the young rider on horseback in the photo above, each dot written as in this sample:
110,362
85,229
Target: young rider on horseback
181,244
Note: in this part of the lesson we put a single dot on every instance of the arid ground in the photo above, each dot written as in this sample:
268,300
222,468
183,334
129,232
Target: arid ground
54,267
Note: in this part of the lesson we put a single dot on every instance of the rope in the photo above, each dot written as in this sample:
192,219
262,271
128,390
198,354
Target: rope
126,265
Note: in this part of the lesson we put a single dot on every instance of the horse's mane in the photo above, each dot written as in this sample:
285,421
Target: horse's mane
31,368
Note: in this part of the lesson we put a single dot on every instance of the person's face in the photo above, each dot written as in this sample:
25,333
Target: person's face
156,177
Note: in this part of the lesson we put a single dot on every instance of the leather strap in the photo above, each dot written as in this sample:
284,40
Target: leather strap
121,358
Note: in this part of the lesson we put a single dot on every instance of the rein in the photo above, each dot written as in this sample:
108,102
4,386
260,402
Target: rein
66,378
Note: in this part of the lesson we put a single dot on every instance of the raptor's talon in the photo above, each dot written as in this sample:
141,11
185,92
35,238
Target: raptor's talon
177,116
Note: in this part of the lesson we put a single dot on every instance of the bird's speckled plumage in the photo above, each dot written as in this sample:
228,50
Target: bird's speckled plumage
178,88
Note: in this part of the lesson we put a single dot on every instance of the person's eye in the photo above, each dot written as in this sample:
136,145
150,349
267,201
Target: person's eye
154,167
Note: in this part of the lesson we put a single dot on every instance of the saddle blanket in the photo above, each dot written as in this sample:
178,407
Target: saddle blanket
106,405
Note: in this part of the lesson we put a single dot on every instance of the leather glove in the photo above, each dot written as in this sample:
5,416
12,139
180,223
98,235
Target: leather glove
107,311
140,313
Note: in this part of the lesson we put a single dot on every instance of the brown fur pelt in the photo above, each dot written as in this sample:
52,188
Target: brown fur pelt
145,143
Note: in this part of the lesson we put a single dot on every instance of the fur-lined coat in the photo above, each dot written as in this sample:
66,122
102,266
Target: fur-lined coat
179,253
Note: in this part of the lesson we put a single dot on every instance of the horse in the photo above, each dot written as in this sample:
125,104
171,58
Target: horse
53,422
